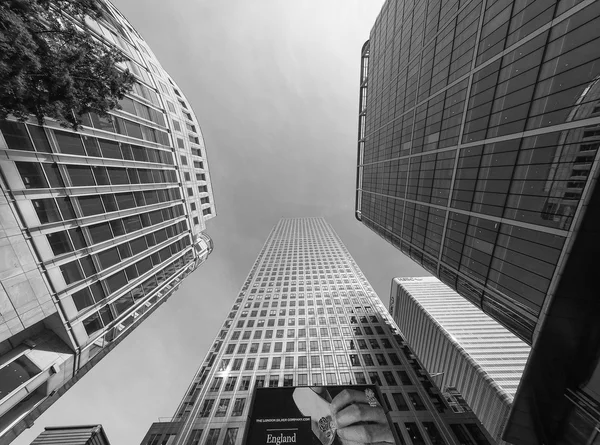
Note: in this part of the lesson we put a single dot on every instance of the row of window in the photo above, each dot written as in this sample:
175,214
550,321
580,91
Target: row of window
119,280
73,239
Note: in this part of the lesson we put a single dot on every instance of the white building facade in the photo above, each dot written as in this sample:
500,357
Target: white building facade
460,346
307,316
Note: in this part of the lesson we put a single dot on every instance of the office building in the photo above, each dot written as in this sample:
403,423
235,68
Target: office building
306,315
98,227
72,435
460,347
479,130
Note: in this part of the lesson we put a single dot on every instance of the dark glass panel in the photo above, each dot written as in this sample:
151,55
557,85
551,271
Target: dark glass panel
46,210
100,232
32,174
72,272
92,324
59,242
125,200
91,146
40,140
116,281
91,205
77,238
109,258
110,149
16,136
69,143
118,175
81,175
53,174
82,299
66,208
101,175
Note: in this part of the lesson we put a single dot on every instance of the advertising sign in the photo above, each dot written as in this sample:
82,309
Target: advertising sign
318,415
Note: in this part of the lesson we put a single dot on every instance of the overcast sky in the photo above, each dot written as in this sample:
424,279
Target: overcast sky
274,84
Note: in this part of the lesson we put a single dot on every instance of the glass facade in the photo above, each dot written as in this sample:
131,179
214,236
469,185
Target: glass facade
479,131
98,227
306,315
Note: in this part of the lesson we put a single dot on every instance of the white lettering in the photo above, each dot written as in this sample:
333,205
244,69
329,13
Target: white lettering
278,440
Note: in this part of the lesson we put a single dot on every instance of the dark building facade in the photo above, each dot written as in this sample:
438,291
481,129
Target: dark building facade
72,435
479,131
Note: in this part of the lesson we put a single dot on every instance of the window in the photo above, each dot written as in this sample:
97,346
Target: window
260,381
288,379
238,407
315,361
230,436
276,363
245,383
213,436
262,363
250,364
400,401
416,401
302,378
230,384
206,408
274,381
404,378
374,377
368,360
222,408
389,378
302,362
216,384
194,438
433,433
414,433
237,364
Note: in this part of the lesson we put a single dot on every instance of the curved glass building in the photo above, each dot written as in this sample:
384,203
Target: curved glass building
97,228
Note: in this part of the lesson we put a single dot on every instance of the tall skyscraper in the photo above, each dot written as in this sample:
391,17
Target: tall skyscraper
98,227
460,347
479,131
72,435
306,315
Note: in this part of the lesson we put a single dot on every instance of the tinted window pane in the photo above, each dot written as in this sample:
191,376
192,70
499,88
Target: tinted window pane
16,136
82,299
81,175
32,175
59,243
53,175
110,149
46,210
77,238
69,143
101,175
91,205
71,272
66,208
118,175
40,140
100,232
116,281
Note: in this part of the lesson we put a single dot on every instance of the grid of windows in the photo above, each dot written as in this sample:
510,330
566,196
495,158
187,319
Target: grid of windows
479,127
102,216
322,325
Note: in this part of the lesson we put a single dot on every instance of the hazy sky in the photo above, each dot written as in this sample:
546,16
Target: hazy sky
274,84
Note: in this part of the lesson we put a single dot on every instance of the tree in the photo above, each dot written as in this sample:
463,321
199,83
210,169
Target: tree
52,66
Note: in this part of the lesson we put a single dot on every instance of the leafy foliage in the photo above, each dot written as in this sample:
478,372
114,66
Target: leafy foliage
52,66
